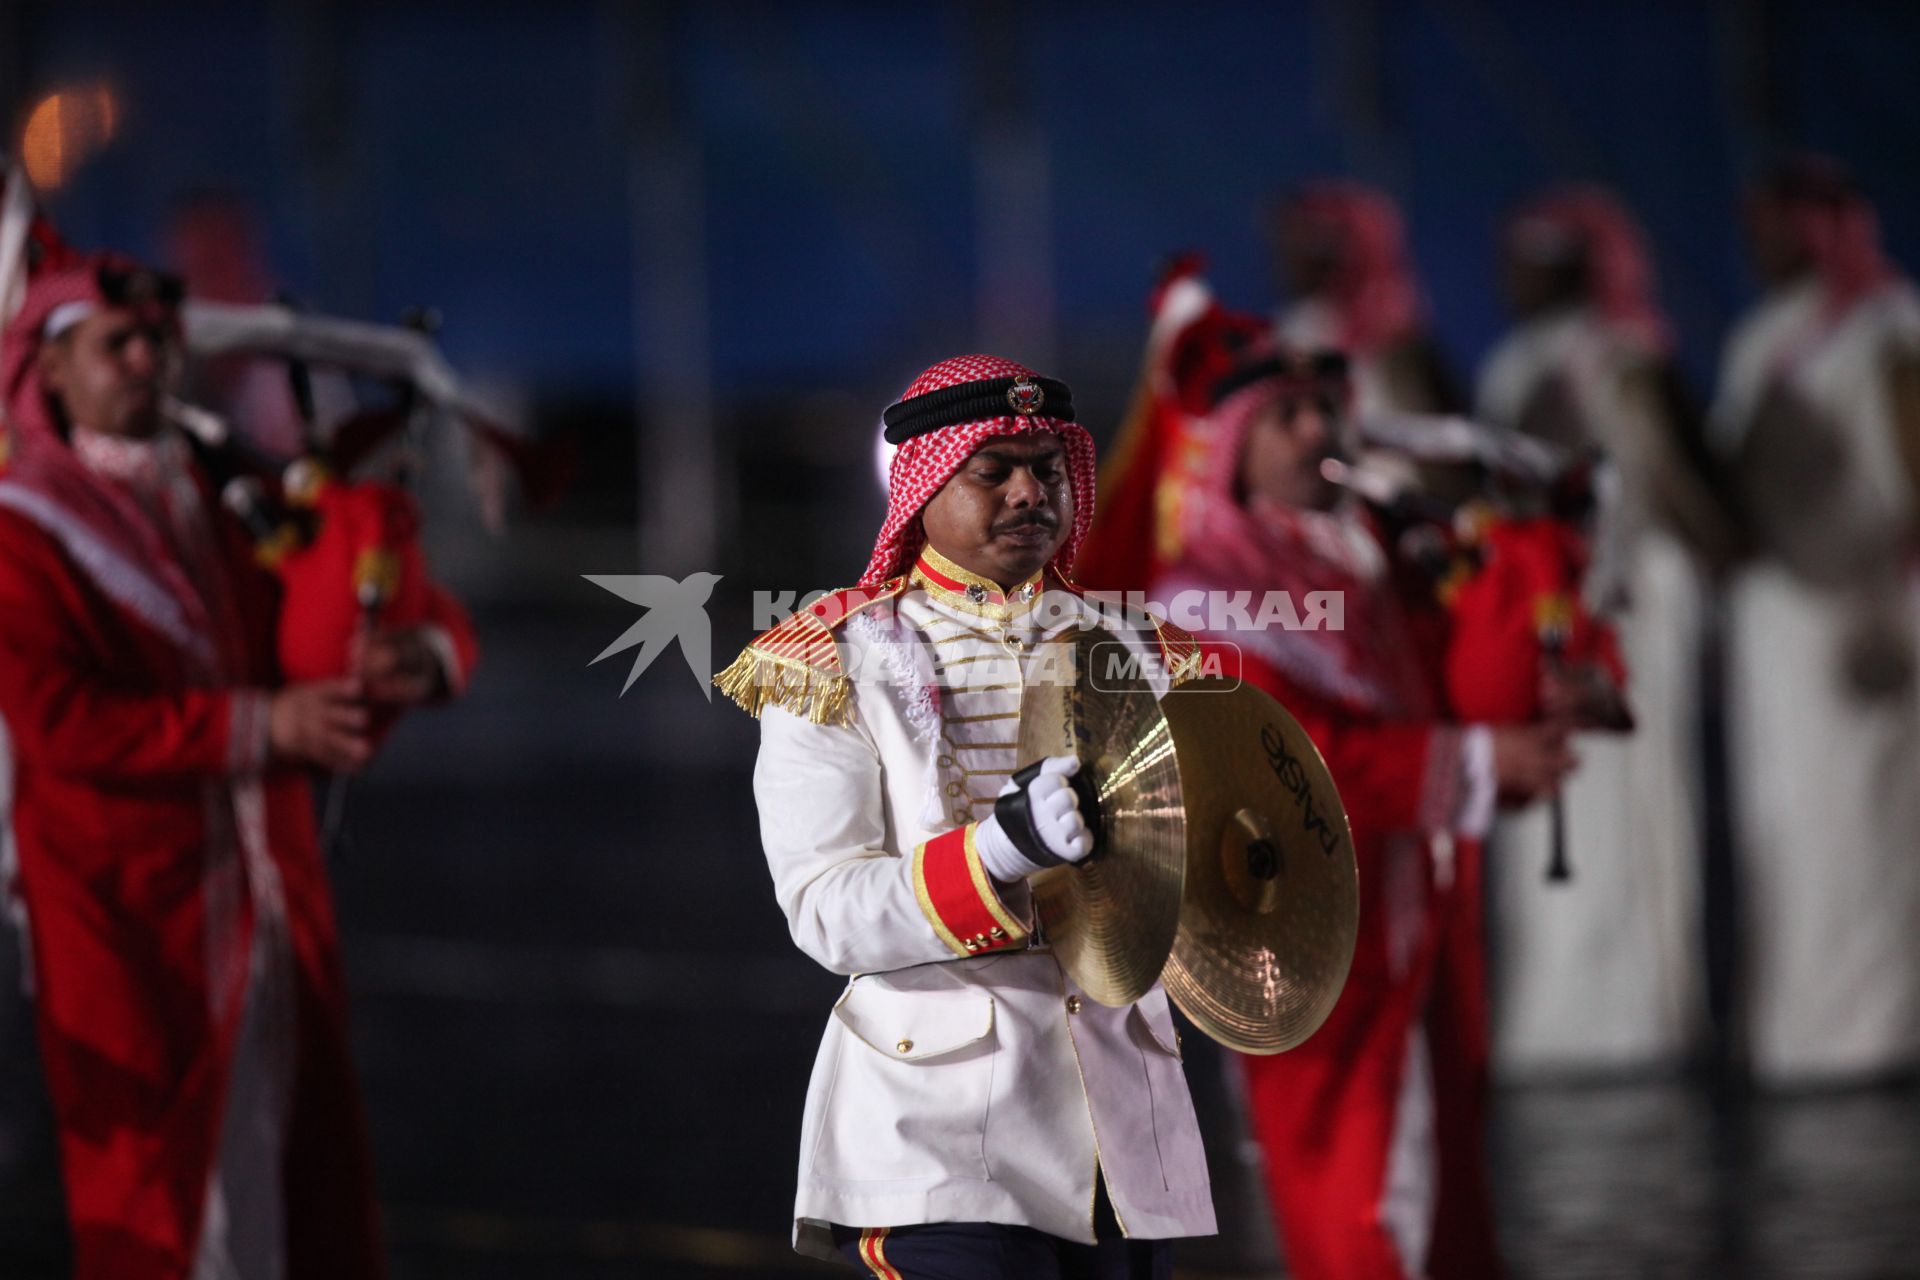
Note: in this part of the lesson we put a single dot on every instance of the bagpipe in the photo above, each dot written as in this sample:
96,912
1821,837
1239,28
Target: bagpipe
1497,525
345,547
337,523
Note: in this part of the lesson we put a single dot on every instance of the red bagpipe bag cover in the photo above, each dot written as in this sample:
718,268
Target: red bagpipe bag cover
1528,583
365,529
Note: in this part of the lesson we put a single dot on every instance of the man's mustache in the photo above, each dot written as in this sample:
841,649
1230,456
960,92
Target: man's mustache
1038,519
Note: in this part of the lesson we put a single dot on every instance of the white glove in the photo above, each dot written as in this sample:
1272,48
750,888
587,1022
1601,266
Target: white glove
1057,822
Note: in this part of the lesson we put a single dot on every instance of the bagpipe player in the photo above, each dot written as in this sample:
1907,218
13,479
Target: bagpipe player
185,961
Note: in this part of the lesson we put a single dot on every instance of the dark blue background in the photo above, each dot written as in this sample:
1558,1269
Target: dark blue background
479,160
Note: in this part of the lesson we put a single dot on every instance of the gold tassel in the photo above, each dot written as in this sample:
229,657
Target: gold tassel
757,680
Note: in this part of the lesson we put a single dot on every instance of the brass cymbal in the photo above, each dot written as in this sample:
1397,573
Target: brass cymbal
1111,919
1272,902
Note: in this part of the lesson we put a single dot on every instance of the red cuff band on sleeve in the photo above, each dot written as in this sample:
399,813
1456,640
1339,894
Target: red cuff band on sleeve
958,898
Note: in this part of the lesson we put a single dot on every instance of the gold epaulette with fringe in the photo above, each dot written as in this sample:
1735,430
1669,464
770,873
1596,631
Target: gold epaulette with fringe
1180,651
796,665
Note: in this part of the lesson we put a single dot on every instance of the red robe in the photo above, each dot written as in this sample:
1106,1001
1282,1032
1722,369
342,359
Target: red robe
145,816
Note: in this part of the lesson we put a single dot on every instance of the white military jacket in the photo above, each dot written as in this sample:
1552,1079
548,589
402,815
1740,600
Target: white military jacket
963,1077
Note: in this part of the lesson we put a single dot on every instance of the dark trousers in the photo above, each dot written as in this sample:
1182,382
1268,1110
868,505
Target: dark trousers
992,1251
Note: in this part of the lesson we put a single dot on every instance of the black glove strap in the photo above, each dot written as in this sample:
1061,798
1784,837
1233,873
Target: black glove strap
1016,815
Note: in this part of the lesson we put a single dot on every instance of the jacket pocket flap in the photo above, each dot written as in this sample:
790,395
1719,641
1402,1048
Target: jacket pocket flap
911,1026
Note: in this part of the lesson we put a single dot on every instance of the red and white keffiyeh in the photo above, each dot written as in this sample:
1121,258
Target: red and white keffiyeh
42,474
1372,283
1837,227
923,464
1590,223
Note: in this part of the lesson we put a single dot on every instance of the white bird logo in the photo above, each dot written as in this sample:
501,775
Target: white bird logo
675,611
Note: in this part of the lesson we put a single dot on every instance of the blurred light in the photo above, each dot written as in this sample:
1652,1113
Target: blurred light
883,460
64,130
